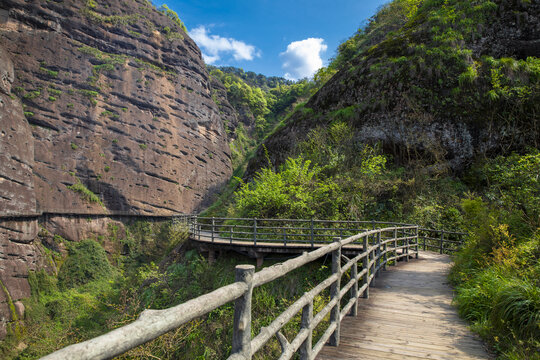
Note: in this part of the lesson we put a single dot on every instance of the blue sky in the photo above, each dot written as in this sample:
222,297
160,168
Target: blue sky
272,37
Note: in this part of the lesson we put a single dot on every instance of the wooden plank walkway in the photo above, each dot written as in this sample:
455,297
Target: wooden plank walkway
408,315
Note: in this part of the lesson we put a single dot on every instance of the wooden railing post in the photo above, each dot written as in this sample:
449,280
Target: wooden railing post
334,294
213,227
365,266
255,232
424,241
354,290
307,347
442,240
241,342
231,233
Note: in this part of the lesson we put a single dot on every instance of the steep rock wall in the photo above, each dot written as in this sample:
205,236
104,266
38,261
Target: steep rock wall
18,252
119,100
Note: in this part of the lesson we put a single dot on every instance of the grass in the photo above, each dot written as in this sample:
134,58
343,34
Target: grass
85,193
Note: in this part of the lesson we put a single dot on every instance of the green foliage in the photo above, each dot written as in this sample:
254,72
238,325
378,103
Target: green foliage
74,146
173,16
293,192
85,194
143,146
51,73
28,114
86,262
496,275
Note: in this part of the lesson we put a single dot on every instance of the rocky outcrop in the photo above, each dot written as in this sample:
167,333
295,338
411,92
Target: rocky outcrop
120,106
18,253
431,101
106,109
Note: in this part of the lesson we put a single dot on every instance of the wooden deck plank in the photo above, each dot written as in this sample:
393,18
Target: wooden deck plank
409,315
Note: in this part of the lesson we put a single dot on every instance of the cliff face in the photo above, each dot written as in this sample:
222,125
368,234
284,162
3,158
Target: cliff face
120,104
105,109
17,250
438,89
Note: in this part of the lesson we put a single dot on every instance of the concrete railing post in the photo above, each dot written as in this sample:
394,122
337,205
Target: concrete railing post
354,289
312,234
213,227
407,245
365,267
255,232
241,342
378,255
334,294
416,240
306,348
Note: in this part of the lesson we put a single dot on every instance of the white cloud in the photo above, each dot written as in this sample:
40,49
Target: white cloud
303,58
214,46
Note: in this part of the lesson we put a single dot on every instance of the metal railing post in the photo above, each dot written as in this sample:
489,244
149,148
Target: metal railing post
284,236
335,288
241,342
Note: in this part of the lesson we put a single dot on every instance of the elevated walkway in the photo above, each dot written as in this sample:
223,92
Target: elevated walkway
409,315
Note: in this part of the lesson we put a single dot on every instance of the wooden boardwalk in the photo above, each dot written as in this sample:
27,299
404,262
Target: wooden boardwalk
408,315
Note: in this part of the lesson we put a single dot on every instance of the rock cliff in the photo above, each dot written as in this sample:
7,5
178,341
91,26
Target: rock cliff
434,89
120,106
106,109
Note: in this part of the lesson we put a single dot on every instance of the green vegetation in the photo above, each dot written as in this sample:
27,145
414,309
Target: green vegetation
173,16
148,268
28,114
262,101
90,94
497,275
51,73
74,146
85,193
143,146
415,60
86,262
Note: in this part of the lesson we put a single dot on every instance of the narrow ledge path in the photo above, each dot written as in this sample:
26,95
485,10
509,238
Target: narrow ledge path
409,315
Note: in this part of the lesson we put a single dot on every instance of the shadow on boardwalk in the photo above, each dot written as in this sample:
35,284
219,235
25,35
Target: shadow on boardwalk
409,315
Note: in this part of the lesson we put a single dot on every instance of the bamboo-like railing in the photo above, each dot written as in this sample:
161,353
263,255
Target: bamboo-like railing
377,249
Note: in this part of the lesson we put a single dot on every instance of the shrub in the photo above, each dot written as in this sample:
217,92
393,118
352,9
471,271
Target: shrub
87,261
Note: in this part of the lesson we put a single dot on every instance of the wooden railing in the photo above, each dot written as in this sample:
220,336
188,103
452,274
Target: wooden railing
376,249
287,232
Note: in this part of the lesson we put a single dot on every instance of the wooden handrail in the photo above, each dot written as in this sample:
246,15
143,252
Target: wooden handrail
383,250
